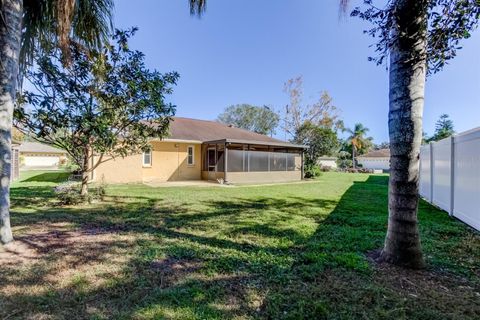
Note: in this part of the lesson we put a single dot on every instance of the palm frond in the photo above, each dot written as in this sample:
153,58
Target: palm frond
50,23
197,7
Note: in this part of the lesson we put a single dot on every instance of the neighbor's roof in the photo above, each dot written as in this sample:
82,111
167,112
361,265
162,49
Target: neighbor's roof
38,147
381,153
204,130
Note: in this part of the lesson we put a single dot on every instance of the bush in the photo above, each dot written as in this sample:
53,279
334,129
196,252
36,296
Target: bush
69,193
312,171
326,168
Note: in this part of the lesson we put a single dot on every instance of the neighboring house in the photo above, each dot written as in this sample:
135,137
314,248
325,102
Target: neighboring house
329,162
208,150
35,155
15,163
376,160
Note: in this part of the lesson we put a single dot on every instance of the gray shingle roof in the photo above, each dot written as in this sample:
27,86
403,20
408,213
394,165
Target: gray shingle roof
37,147
381,153
204,130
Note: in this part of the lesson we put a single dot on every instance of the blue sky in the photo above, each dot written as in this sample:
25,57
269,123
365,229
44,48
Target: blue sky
243,51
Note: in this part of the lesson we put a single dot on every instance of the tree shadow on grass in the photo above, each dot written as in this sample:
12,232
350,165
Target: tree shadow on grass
55,177
273,258
333,276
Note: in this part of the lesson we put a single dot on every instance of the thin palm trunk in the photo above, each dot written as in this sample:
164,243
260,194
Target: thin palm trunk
407,89
10,35
353,156
85,172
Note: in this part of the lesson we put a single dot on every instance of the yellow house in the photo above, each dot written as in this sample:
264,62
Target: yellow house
208,150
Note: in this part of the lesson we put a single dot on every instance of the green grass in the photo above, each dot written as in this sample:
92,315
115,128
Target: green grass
292,251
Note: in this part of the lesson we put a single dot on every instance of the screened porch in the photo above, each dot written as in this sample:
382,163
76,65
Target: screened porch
234,161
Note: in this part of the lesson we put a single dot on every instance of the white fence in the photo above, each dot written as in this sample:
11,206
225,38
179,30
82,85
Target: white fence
450,175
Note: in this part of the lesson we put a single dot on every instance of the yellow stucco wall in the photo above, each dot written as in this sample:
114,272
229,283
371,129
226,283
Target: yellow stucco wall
169,163
120,170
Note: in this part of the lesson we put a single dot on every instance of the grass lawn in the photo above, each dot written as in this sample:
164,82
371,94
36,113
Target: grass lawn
292,251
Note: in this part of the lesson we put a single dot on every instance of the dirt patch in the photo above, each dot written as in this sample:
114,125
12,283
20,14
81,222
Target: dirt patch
80,245
444,291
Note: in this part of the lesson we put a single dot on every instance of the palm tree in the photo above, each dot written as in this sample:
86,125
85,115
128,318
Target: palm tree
28,25
408,64
357,139
408,69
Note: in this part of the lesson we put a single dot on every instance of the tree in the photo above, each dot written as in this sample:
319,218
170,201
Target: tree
261,120
105,104
321,112
357,140
321,141
26,26
418,38
382,145
443,129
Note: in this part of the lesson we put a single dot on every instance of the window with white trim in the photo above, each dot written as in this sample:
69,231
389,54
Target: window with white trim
147,158
190,155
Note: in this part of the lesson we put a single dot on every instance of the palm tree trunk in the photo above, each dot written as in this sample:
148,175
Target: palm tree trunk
407,90
353,156
10,34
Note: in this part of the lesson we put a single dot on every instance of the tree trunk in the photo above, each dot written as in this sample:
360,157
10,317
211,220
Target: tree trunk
407,89
10,34
85,172
353,157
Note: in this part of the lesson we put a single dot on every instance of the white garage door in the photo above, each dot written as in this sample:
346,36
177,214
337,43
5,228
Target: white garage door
42,161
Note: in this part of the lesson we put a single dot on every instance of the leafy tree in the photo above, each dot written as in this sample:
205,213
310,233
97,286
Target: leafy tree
17,135
297,113
382,145
344,160
32,25
357,141
418,38
443,129
105,104
261,120
321,141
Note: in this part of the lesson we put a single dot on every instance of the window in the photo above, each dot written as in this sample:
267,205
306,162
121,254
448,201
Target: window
190,155
147,158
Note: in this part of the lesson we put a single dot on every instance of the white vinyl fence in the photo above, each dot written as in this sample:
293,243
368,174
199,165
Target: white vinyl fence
450,175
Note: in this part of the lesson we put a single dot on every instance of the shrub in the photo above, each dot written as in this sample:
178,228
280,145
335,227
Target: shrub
312,171
326,168
69,193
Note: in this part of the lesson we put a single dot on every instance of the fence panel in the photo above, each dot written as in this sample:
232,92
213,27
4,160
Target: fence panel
425,170
467,178
441,160
454,187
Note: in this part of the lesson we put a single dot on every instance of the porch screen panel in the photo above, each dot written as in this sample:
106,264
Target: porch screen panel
236,161
291,163
258,161
278,161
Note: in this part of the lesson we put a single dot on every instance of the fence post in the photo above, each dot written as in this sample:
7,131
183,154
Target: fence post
431,172
452,174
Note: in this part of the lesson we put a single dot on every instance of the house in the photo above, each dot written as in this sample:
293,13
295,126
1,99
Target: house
376,160
35,155
15,161
327,162
208,150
